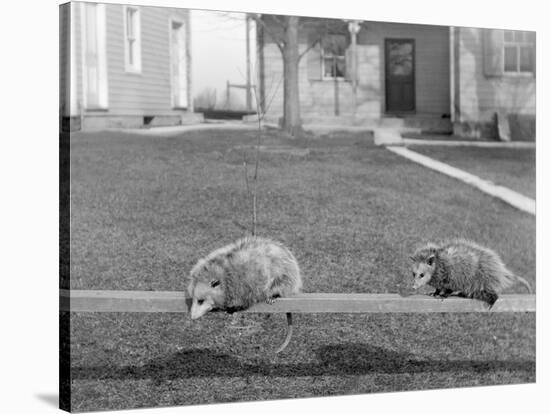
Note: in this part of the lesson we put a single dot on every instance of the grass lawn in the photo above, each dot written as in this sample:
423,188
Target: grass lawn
144,209
510,167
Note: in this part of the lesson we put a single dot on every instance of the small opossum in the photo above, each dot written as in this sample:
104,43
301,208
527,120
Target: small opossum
465,268
249,271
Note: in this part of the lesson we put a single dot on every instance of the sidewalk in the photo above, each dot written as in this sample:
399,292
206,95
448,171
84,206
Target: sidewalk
458,143
180,129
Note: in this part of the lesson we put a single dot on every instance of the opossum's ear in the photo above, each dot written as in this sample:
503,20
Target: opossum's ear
430,260
215,283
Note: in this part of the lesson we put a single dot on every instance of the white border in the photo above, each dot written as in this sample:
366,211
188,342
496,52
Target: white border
30,207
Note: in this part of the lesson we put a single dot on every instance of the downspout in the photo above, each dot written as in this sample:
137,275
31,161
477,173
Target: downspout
452,72
354,27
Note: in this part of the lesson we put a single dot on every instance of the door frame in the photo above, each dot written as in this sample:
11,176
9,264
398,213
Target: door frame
387,40
101,35
183,48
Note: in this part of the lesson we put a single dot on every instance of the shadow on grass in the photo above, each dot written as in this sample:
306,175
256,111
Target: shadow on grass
344,359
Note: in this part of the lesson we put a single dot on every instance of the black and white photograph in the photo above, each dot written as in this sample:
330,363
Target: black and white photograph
269,206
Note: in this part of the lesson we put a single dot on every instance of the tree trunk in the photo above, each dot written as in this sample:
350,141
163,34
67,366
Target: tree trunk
292,123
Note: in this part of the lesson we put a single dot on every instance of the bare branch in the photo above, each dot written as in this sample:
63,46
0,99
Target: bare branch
311,46
254,197
276,39
245,165
280,22
273,96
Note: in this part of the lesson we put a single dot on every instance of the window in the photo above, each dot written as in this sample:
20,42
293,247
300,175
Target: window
333,56
519,51
132,39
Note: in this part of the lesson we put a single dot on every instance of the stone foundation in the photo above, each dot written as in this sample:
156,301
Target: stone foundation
103,121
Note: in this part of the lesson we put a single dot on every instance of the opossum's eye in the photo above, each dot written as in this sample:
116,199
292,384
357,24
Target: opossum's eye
214,283
430,260
421,275
200,301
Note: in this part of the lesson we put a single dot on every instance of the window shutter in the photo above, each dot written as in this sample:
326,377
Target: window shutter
314,60
493,52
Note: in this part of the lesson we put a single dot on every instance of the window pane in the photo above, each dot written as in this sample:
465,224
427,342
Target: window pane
530,37
510,59
130,13
518,36
131,52
335,44
340,68
401,58
526,63
509,36
334,67
329,63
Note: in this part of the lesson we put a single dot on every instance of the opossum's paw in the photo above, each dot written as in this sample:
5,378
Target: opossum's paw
270,301
488,297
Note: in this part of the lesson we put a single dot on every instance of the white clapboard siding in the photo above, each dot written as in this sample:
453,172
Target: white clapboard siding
149,91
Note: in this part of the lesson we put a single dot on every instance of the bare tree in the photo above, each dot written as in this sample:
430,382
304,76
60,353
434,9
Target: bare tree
284,33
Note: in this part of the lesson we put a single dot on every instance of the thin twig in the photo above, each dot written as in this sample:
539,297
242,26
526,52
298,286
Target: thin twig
254,195
311,46
276,39
260,116
246,173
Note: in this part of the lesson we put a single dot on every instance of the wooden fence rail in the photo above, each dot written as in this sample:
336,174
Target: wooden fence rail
163,301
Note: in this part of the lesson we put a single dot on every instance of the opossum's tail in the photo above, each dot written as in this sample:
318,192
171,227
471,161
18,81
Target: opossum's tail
288,333
524,283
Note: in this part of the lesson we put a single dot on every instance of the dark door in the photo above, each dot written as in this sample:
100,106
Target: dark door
400,94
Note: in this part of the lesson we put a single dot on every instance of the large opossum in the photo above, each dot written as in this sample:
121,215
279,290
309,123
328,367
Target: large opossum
465,268
243,273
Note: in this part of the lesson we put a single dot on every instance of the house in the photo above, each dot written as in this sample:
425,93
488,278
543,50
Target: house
124,66
433,78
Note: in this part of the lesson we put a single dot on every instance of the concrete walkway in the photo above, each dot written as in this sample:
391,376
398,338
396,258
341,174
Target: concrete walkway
481,144
179,129
513,198
248,126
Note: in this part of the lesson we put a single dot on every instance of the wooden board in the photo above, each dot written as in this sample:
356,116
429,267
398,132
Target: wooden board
163,301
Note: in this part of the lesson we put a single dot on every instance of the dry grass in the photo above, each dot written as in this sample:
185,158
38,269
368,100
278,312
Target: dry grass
510,167
144,209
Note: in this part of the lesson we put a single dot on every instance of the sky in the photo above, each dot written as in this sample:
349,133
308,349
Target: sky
219,54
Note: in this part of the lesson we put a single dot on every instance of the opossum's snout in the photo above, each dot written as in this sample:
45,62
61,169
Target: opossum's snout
200,307
422,273
419,280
